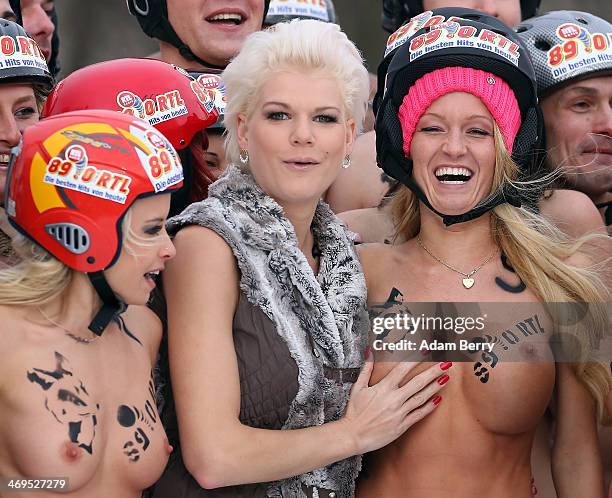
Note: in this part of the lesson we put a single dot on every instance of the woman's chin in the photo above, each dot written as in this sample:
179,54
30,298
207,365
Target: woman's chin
453,209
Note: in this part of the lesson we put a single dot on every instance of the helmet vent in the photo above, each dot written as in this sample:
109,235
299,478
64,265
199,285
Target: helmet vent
521,29
543,45
582,21
72,237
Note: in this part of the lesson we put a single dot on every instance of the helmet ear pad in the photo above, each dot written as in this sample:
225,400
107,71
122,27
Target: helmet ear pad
78,235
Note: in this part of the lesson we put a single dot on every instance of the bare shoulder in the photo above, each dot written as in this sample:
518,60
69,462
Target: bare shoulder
201,281
359,186
573,212
365,145
371,224
17,340
192,237
146,326
375,258
199,249
11,330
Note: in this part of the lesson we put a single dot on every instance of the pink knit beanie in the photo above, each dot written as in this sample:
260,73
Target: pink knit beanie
492,90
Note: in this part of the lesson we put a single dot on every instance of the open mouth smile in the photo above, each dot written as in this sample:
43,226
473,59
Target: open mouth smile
227,18
453,176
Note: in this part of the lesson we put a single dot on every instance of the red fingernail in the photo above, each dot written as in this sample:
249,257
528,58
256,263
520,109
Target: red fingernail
436,400
443,380
446,365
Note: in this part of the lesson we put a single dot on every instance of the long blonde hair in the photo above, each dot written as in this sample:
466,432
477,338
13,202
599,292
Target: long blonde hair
39,277
36,279
538,252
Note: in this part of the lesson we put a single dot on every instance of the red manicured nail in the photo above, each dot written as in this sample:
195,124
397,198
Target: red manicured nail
436,400
446,365
443,380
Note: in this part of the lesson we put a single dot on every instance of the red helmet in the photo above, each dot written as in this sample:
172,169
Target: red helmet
163,94
75,176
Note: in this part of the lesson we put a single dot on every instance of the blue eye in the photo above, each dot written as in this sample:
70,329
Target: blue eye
326,118
277,116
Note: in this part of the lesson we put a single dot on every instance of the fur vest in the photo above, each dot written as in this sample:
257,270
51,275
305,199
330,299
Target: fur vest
322,318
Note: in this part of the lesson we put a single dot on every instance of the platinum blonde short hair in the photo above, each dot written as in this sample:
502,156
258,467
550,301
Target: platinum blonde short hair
299,45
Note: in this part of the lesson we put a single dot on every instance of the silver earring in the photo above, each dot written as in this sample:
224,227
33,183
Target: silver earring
346,162
244,156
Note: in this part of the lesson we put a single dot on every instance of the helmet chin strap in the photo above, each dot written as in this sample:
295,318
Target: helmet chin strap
509,195
186,53
111,306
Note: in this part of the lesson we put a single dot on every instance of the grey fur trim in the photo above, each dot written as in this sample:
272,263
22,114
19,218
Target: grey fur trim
322,319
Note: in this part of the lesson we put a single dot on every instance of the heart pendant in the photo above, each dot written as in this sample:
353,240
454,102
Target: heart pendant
468,282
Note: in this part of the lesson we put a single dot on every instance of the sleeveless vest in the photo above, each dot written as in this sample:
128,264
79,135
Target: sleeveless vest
322,319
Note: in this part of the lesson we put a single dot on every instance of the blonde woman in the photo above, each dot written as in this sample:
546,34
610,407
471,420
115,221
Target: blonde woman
266,299
76,392
455,126
23,88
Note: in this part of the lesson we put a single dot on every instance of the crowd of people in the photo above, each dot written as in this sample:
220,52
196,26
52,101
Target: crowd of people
218,271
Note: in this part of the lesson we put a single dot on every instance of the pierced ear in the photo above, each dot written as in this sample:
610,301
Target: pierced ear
243,140
351,135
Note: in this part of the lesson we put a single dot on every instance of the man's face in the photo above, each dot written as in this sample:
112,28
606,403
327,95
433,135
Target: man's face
507,11
578,120
214,30
38,24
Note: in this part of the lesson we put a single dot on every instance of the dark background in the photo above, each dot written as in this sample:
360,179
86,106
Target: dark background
97,30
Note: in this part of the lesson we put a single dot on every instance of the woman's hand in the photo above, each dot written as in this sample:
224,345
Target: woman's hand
377,415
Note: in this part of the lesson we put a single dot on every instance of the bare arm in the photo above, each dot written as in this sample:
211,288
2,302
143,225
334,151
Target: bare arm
573,212
201,285
576,462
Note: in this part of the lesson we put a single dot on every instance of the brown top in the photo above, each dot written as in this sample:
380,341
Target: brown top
268,385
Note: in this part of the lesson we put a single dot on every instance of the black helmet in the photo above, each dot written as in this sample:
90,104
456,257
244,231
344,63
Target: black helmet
495,49
567,45
54,65
152,16
283,11
396,12
27,62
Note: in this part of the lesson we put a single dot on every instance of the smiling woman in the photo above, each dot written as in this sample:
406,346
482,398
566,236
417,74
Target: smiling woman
24,84
267,345
453,126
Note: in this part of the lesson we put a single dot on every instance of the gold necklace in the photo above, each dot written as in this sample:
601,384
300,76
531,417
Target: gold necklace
77,338
468,281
